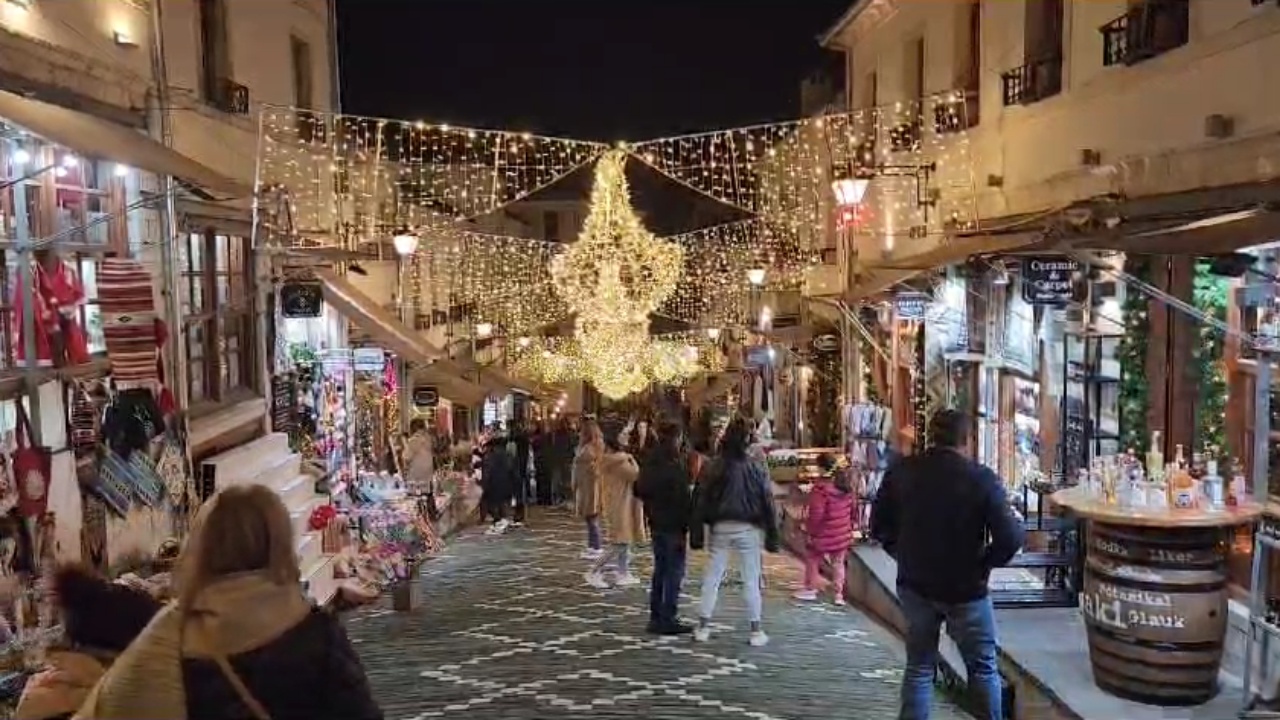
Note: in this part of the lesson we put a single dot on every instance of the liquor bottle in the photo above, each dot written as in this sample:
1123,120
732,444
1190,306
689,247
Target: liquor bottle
1178,459
1238,492
1211,484
1155,457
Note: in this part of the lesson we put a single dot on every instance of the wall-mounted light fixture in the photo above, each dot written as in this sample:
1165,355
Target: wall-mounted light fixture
124,39
21,4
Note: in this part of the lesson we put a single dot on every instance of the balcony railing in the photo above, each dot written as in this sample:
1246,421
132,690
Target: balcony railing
1145,31
1033,82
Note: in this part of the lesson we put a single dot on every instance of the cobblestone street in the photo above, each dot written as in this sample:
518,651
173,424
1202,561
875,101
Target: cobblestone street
508,629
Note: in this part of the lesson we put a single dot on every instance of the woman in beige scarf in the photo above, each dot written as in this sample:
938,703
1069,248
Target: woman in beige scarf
242,640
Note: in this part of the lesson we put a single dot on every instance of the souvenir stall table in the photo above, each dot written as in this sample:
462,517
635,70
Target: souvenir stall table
391,530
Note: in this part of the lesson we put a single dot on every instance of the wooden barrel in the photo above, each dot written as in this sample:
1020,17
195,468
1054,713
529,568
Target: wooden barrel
1155,604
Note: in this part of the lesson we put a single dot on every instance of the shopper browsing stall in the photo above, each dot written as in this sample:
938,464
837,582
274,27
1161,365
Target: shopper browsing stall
99,620
419,452
828,529
242,641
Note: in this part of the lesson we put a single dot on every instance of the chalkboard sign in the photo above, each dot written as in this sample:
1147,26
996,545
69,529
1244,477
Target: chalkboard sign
911,306
426,396
284,403
301,300
1051,280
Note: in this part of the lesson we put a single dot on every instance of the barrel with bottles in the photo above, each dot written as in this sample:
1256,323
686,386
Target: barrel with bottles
1155,604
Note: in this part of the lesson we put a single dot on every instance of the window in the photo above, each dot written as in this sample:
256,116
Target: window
551,226
1040,75
73,201
870,92
215,53
218,319
914,75
300,52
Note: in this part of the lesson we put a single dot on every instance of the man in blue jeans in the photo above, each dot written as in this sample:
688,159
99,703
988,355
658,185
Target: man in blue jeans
663,486
946,520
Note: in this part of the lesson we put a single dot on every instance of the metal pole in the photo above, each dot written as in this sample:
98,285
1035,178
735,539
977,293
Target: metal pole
27,279
176,365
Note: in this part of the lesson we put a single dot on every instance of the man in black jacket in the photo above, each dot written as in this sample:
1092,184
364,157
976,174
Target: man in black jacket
663,486
946,520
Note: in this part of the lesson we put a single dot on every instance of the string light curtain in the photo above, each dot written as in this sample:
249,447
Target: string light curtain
714,290
378,174
783,172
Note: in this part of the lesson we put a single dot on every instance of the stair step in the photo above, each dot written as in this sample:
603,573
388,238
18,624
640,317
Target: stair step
242,464
318,578
299,491
280,473
310,549
301,515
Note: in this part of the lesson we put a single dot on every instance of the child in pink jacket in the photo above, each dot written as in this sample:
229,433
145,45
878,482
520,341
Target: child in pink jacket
829,527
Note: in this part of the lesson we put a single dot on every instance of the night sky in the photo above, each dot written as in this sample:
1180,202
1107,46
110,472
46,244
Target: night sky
592,69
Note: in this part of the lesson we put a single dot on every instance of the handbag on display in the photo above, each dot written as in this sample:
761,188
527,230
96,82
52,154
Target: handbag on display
8,485
32,468
172,469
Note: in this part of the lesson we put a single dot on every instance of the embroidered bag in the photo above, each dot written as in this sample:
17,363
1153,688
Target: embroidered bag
117,476
32,468
172,469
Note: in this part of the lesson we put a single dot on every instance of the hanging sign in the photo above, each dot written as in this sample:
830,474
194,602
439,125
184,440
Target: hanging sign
368,359
284,404
826,343
301,300
1051,280
911,305
426,396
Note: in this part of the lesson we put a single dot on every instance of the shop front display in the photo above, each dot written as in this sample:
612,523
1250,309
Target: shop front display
1155,583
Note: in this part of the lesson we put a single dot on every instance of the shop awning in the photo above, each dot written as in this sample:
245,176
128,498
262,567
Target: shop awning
106,140
882,275
223,218
378,323
1213,235
448,378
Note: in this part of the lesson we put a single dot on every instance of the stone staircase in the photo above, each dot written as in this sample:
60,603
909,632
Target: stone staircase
269,461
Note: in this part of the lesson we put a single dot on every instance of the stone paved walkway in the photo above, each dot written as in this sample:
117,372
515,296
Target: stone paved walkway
507,629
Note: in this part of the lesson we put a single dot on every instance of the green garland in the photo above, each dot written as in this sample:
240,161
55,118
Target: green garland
1210,297
1133,359
867,353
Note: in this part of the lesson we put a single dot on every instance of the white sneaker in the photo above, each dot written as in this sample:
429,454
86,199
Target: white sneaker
590,554
497,528
702,634
596,580
805,595
625,581
758,639
840,602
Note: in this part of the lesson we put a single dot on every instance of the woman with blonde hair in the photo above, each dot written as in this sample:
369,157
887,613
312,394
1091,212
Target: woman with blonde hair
623,514
585,477
242,641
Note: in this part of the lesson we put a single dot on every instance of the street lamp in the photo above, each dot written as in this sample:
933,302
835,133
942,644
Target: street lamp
484,330
523,342
850,189
405,242
713,333
756,276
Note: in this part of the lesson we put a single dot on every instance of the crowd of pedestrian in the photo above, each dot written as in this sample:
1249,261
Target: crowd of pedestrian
242,641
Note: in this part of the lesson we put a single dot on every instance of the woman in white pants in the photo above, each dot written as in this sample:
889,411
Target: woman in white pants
734,509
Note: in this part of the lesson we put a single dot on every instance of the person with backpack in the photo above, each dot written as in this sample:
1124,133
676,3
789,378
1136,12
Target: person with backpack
829,529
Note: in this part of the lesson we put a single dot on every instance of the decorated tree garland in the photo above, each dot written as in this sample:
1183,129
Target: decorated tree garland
1136,319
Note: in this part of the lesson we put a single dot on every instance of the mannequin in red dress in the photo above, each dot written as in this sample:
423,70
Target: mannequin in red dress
60,341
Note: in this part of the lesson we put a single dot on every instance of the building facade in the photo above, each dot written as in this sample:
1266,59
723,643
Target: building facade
97,120
1142,128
